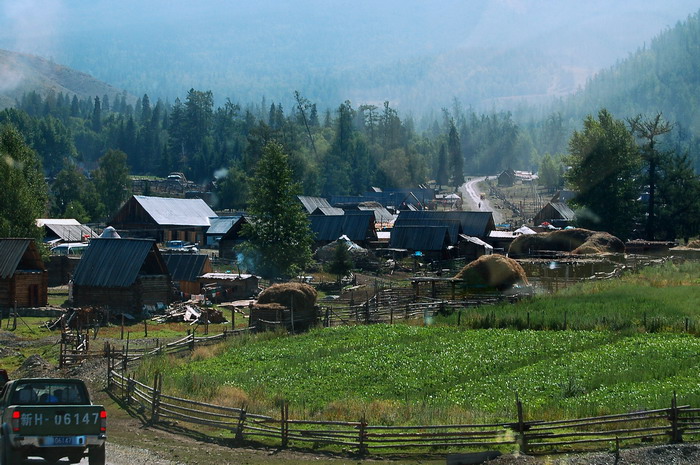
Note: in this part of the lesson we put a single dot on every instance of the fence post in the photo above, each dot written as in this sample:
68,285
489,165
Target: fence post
391,314
676,432
362,437
192,339
129,389
284,426
241,424
155,401
108,354
520,427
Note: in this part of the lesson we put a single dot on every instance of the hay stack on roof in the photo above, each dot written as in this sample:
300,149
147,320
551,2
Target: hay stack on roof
301,295
492,271
577,240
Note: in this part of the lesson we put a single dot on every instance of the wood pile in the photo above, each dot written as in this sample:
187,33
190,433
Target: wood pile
190,312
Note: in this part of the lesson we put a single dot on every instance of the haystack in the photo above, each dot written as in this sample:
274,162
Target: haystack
301,295
577,240
694,244
492,271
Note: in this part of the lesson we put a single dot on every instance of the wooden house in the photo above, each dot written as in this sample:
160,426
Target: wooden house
475,224
122,274
184,269
431,241
557,214
472,248
507,178
163,219
358,226
23,277
224,233
318,206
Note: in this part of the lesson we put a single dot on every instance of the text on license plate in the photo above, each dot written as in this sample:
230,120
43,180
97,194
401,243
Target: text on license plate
68,440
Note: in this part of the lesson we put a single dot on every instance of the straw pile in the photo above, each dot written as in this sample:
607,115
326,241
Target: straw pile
694,244
492,271
578,241
302,295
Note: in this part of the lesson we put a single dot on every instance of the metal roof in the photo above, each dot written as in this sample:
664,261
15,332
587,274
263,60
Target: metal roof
328,211
69,230
477,224
475,240
312,203
220,225
454,227
330,228
11,253
176,212
420,238
184,266
110,262
564,210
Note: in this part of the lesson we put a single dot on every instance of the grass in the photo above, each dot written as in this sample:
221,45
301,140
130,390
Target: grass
629,353
658,299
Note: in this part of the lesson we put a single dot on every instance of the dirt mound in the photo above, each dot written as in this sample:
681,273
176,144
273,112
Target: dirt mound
302,295
577,240
35,366
492,271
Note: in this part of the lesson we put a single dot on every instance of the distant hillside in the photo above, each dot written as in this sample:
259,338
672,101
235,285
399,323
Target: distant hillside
663,76
21,73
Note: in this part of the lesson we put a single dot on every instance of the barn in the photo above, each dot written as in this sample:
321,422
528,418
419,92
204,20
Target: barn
163,219
23,277
555,213
122,274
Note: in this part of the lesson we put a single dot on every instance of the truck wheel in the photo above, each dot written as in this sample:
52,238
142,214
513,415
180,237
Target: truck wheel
96,455
9,456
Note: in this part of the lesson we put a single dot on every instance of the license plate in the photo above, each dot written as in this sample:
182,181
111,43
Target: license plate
68,440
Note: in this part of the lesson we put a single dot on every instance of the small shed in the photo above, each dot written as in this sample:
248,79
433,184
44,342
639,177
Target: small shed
431,241
122,274
227,287
507,178
472,248
185,269
556,213
23,277
57,230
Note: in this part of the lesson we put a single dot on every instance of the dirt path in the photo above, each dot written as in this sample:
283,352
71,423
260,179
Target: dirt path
471,195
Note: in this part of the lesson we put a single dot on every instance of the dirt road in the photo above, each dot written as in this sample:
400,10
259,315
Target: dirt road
471,195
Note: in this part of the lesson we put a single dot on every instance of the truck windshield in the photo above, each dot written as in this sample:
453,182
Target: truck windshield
38,393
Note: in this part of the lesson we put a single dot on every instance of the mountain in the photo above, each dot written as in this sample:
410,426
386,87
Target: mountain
21,73
418,55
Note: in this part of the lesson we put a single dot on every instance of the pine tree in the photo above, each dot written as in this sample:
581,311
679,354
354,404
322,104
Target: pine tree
279,235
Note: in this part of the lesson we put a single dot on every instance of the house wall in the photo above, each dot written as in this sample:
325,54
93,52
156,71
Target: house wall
147,290
27,289
153,289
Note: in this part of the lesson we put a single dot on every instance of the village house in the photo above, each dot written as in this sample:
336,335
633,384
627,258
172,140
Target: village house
557,214
164,219
23,277
185,269
358,226
224,233
123,274
59,230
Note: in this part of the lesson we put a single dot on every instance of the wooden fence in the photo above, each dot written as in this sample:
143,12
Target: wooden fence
672,425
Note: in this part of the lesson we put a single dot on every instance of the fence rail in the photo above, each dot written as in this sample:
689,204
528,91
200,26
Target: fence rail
533,436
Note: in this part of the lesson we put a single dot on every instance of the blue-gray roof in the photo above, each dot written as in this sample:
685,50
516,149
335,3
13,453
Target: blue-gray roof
220,225
185,266
176,212
312,203
477,224
11,253
109,262
356,226
419,238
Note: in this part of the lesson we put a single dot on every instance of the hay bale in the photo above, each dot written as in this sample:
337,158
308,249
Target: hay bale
492,271
567,240
303,295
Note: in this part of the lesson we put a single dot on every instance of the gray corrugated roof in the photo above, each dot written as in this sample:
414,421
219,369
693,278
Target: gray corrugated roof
328,211
312,203
11,252
564,210
184,266
330,228
69,232
419,238
109,262
176,212
477,224
220,225
454,227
